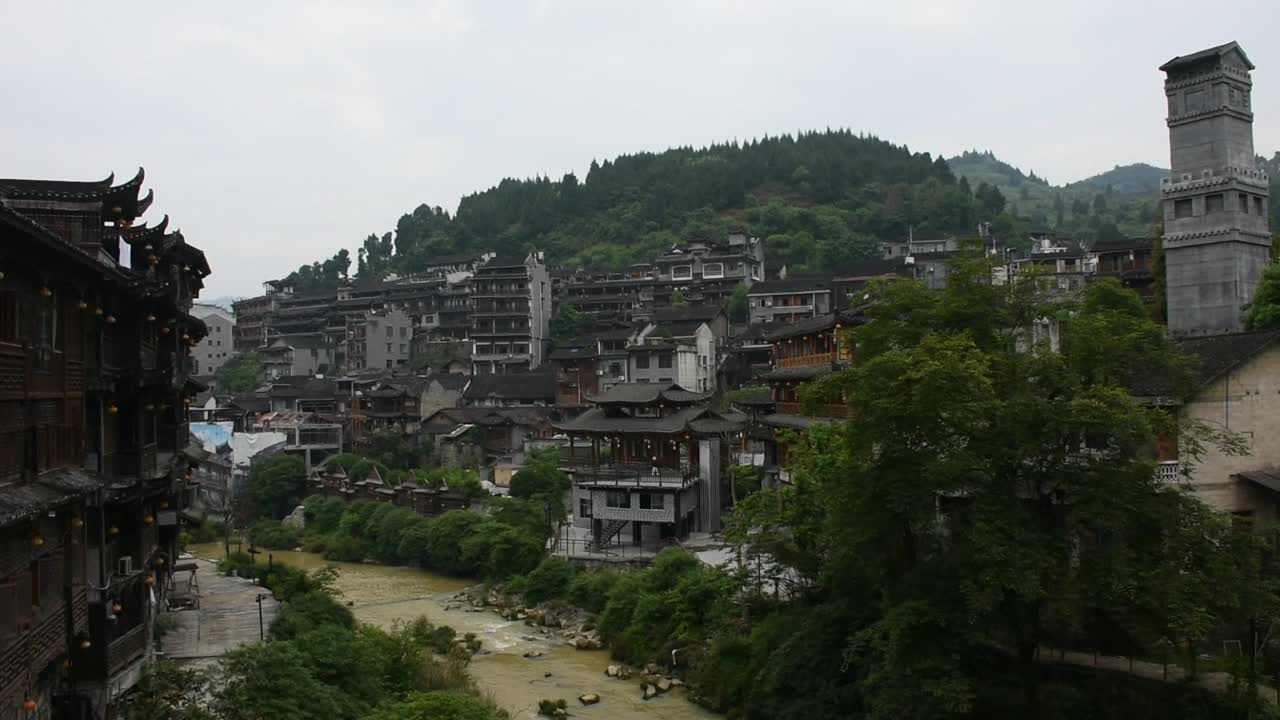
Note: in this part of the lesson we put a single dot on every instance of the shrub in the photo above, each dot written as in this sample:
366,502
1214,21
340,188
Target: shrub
309,611
550,580
590,590
271,535
435,705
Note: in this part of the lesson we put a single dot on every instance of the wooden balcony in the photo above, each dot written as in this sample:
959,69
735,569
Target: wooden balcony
629,475
829,410
807,360
139,462
126,649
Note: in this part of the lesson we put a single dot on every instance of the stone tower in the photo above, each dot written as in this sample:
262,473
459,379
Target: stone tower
1216,241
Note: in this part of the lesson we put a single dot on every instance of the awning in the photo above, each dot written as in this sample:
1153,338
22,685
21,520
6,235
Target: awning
1269,479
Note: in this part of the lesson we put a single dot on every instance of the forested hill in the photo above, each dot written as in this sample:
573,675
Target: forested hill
1119,202
820,199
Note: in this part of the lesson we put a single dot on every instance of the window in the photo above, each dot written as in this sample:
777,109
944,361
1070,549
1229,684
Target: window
390,331
682,272
652,501
615,369
1244,203
402,347
664,360
713,270
642,361
1182,208
46,338
404,332
388,347
584,508
1257,206
617,499
1214,203
522,348
388,363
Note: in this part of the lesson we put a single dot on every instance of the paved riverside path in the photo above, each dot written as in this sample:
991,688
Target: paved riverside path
227,617
1215,681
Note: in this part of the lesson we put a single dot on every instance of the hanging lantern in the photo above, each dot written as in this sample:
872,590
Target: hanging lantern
113,409
85,644
1,274
97,312
150,407
113,530
150,580
77,523
148,520
159,562
111,319
165,330
147,247
186,268
37,541
186,336
45,292
117,608
29,705
151,318
82,305
117,210
153,260
164,504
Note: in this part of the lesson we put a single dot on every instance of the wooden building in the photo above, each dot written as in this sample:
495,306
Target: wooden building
95,338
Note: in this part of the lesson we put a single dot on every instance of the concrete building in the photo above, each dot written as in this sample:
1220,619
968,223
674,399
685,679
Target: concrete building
510,314
796,297
302,354
379,339
253,320
1216,241
684,352
218,345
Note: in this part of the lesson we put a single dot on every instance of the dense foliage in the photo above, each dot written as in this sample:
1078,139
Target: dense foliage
239,374
319,664
277,484
1263,312
505,539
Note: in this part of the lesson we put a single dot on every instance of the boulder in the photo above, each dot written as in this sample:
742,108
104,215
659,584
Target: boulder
589,699
624,673
533,654
650,691
651,669
586,642
676,682
664,685
611,671
296,519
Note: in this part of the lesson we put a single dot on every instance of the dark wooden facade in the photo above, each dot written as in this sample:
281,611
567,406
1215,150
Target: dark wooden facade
94,362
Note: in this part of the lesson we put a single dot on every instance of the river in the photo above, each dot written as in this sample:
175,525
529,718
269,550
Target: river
380,595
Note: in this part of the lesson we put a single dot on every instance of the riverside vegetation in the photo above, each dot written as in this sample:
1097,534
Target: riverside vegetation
992,500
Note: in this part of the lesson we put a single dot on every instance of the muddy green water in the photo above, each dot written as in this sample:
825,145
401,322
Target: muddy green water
381,595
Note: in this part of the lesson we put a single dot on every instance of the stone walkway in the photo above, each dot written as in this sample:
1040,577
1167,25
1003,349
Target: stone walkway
227,617
1215,681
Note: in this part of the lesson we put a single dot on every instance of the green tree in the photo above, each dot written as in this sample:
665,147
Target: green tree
277,484
1263,312
737,306
435,705
541,479
167,692
678,300
1026,452
570,322
239,374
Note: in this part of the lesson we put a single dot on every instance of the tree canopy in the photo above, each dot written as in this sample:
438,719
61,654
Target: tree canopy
277,484
1263,312
239,374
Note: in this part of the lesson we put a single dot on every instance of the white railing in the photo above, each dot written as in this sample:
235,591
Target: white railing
1168,471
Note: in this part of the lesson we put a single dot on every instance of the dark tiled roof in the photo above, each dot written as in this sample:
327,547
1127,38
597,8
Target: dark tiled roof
1123,245
530,387
506,261
872,267
446,419
48,491
319,388
796,373
575,349
794,422
1207,54
1220,354
821,323
703,312
449,381
598,420
647,394
1269,479
798,282
251,403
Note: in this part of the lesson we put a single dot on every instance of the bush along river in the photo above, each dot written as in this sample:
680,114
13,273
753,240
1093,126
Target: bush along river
525,656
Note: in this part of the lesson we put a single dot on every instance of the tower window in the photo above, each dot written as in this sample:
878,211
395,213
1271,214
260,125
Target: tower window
1214,203
1244,203
1182,208
1257,206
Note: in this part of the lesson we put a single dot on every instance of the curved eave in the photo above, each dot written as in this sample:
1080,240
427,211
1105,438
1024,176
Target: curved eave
144,234
125,197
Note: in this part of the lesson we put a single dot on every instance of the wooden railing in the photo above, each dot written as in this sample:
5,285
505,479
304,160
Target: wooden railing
125,649
831,410
638,475
808,360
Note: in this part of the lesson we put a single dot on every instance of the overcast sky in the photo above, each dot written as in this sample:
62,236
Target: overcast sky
275,132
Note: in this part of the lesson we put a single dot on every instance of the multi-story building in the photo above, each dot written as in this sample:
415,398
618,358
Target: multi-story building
645,464
707,272
301,354
796,297
380,339
1216,237
1131,261
685,353
94,380
510,314
218,345
253,319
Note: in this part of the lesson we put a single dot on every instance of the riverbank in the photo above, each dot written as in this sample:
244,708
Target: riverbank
226,615
383,596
